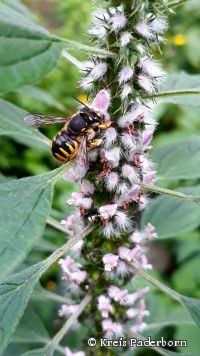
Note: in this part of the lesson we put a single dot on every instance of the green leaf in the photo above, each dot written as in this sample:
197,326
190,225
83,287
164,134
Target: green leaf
42,96
172,217
27,51
24,208
189,333
12,124
31,329
180,88
179,160
14,296
193,307
17,6
17,289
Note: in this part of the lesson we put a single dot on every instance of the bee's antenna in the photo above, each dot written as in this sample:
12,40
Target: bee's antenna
79,101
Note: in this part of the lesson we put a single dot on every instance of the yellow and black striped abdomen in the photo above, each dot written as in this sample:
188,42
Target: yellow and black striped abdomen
63,147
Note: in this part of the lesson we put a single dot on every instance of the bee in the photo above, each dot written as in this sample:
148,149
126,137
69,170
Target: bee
80,132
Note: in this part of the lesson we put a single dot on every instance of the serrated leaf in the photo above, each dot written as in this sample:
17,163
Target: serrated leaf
172,217
17,289
179,160
27,51
12,124
14,296
24,208
180,88
31,329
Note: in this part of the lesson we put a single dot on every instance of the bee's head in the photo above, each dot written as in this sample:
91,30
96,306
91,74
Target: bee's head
92,115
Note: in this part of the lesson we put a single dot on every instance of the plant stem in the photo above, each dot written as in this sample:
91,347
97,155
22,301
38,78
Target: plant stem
58,337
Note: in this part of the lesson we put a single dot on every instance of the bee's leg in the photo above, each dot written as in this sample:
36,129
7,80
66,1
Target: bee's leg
95,143
105,125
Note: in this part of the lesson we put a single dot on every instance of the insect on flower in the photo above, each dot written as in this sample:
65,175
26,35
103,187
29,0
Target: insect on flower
80,131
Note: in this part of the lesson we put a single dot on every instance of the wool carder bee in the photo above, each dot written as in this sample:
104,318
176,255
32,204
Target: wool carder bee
80,131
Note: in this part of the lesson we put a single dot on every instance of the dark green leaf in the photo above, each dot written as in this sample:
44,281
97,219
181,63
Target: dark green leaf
179,160
172,217
27,51
193,307
24,208
14,296
31,329
180,88
12,124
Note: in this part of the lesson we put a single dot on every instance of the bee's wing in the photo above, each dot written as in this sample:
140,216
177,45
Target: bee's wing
38,120
81,164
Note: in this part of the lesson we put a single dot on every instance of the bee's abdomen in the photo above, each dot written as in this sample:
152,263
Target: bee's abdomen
63,147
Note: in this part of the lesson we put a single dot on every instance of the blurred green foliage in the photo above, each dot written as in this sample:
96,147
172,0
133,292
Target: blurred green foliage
70,19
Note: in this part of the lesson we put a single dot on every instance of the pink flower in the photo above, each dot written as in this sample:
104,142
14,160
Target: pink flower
68,352
102,101
128,141
144,263
131,298
137,237
146,84
73,223
149,178
122,220
125,39
98,31
104,306
112,180
151,68
132,195
107,211
87,187
67,310
139,327
110,328
122,269
122,188
118,21
78,200
110,261
118,295
108,230
111,156
123,252
126,91
159,25
110,136
68,265
125,74
150,232
130,173
147,136
145,30
142,311
98,71
78,277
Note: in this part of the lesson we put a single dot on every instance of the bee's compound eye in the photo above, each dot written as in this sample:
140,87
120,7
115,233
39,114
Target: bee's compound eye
96,128
78,123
